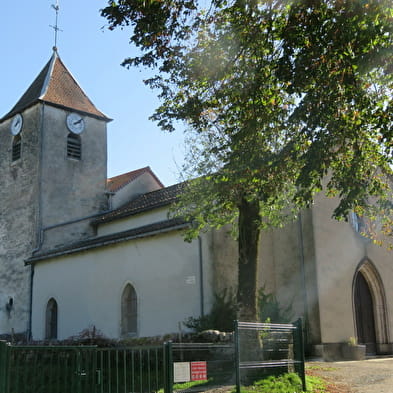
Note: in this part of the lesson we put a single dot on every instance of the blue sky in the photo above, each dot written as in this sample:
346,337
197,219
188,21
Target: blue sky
93,55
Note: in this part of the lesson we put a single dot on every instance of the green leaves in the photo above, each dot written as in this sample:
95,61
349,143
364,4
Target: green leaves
280,101
277,96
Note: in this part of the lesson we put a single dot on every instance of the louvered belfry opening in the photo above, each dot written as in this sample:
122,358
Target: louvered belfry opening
74,146
16,147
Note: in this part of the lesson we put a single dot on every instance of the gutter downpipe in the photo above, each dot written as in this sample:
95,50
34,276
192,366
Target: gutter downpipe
302,261
201,286
29,328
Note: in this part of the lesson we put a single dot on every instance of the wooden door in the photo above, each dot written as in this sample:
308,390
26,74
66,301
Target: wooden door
365,322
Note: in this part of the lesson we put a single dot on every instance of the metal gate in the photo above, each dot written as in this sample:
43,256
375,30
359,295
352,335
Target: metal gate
77,369
257,351
264,349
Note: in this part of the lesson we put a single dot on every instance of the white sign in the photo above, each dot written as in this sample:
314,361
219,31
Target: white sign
191,280
181,372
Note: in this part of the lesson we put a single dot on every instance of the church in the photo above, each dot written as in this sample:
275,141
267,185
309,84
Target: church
79,250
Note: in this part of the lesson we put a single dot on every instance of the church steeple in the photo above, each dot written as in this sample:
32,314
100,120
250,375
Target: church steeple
53,156
56,86
55,131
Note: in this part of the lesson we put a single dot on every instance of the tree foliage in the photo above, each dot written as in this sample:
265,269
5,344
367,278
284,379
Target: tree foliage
281,100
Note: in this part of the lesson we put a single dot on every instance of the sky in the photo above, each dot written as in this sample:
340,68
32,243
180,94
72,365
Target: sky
93,55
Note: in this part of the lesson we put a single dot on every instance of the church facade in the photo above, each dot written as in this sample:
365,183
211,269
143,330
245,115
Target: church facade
79,250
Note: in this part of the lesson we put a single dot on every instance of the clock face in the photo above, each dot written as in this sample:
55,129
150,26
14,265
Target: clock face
75,123
16,124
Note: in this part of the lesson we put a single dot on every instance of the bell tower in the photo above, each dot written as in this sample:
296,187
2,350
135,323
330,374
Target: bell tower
53,170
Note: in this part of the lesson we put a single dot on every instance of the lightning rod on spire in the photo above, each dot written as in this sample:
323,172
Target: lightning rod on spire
56,26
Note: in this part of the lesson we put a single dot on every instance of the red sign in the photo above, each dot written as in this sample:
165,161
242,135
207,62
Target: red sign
198,371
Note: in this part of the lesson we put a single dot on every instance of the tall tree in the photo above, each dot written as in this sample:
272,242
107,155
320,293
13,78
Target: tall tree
276,97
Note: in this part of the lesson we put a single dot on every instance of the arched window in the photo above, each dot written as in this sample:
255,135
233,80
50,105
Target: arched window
129,311
51,320
74,146
16,147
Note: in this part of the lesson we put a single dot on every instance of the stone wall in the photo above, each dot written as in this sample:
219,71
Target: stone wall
18,221
43,197
71,189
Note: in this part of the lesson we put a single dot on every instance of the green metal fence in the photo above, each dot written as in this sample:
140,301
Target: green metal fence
201,366
56,369
257,351
264,349
171,367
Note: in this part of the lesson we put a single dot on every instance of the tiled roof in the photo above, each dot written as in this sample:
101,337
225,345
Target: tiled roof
56,86
117,182
101,241
144,202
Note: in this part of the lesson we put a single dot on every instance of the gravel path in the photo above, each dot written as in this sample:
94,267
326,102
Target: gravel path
367,376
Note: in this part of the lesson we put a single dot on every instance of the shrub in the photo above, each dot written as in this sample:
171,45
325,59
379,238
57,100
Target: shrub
269,309
221,316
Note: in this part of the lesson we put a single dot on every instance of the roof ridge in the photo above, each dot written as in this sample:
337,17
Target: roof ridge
48,76
126,173
164,189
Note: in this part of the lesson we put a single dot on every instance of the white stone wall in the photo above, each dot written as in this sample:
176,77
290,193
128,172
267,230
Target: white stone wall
339,252
87,286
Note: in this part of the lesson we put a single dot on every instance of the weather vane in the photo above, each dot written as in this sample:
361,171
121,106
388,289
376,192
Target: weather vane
56,27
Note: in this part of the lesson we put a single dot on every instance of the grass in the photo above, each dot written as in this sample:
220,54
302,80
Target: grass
315,384
187,385
287,383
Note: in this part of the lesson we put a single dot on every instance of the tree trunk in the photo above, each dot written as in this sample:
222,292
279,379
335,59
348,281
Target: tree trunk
249,230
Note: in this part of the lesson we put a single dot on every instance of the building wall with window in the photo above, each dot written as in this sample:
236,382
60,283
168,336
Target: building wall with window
71,187
313,266
164,271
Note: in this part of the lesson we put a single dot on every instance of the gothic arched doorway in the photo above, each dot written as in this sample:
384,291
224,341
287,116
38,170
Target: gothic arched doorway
370,308
364,313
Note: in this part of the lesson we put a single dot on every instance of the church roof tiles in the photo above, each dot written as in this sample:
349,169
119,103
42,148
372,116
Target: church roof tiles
117,182
56,86
144,202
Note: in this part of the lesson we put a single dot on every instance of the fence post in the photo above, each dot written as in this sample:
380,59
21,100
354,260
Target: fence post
4,354
299,351
168,367
237,356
